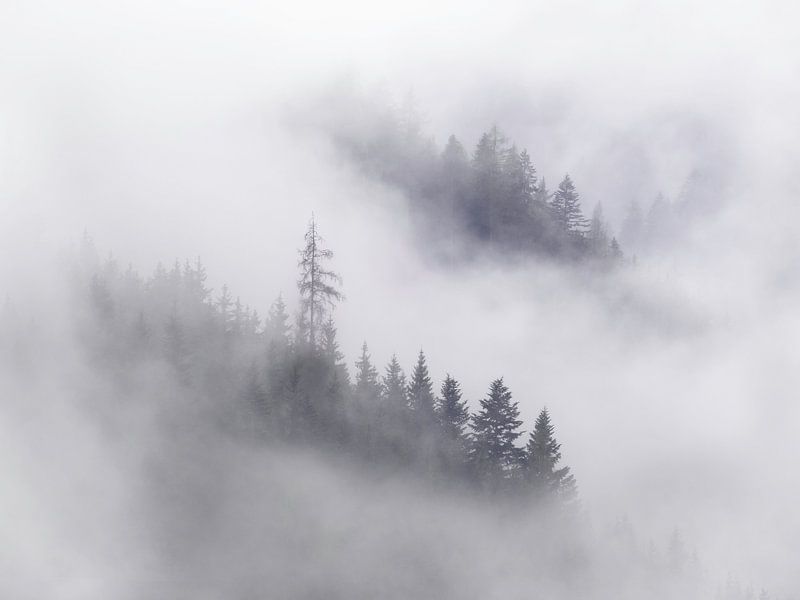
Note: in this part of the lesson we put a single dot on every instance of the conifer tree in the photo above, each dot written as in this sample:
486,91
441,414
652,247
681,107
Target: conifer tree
317,284
451,411
493,455
453,417
395,413
394,387
488,184
366,398
329,347
420,393
566,208
366,384
542,455
616,251
224,303
276,325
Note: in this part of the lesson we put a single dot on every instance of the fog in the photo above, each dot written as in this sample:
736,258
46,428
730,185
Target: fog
171,130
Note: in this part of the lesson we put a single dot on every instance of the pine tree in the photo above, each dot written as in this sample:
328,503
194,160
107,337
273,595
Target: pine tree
224,303
420,394
366,384
453,416
542,455
394,387
452,411
366,399
616,251
278,359
317,285
329,347
493,455
396,413
566,208
276,328
488,184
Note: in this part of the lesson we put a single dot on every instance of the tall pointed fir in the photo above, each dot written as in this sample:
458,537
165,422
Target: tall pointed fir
494,457
423,428
396,414
453,416
317,284
420,394
394,387
542,455
566,206
487,184
278,362
366,399
366,383
333,385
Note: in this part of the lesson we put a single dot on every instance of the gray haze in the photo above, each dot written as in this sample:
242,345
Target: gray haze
171,130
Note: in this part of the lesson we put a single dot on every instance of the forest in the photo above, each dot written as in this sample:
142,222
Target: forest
281,383
285,379
491,200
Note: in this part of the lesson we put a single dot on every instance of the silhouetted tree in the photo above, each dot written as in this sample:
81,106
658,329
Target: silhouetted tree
493,455
566,207
542,455
317,284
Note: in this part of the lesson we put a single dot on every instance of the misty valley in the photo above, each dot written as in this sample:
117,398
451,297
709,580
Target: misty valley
399,300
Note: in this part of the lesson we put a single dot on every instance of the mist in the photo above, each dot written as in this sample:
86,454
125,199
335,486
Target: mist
171,131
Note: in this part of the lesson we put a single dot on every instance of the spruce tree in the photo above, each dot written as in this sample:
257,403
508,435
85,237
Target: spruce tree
317,284
366,399
453,416
224,303
488,184
493,455
394,387
542,455
566,208
420,393
452,411
366,375
329,347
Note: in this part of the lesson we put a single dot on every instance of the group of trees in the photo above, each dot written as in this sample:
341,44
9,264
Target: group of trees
491,199
288,382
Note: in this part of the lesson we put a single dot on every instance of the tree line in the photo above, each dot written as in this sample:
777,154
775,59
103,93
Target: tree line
491,199
285,380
